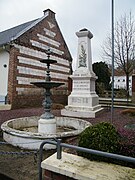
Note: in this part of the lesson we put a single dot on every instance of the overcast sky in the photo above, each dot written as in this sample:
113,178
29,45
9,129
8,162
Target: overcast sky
71,15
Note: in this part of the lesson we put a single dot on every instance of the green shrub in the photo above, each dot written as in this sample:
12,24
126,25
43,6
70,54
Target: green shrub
102,136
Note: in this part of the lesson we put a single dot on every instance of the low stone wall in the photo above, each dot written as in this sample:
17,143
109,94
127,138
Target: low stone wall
75,167
5,107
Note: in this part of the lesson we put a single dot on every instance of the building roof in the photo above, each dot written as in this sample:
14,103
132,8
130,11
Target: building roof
10,34
13,33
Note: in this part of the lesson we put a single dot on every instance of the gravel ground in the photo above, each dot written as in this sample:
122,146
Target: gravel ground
25,167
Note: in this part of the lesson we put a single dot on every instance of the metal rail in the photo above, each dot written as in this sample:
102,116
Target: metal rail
59,146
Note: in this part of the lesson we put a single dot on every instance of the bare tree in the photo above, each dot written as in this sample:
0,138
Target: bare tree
124,46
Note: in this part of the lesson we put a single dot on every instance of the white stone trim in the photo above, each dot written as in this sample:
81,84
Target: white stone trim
60,60
37,63
31,52
30,71
32,90
51,25
48,40
19,90
37,72
45,47
80,168
49,33
30,61
27,81
39,54
59,76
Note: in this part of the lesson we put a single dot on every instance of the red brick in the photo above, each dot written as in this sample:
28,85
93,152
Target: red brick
19,101
49,175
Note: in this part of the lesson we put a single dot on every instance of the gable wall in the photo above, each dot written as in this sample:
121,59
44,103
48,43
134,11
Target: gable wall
25,66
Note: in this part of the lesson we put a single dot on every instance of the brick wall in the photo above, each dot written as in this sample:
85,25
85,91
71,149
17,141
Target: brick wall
20,92
49,175
12,75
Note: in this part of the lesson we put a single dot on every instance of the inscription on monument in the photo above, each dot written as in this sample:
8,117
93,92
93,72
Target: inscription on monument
81,85
79,100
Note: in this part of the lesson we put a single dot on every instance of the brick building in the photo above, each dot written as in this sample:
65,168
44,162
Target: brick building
21,49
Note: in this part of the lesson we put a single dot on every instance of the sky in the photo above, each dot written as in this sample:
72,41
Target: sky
71,15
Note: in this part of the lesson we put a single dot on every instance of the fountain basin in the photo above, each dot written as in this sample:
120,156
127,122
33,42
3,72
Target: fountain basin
22,132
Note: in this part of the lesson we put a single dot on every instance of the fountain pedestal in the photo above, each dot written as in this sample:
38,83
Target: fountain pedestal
46,126
47,121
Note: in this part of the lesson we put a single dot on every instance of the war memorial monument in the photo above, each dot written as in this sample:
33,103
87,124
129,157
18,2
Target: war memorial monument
83,101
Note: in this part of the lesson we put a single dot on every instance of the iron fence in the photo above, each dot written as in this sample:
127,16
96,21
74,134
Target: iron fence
59,146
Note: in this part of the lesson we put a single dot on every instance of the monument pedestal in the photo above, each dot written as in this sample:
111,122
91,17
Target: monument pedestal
83,113
83,101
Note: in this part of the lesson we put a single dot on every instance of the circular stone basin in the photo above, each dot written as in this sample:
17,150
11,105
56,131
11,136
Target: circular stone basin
130,126
22,132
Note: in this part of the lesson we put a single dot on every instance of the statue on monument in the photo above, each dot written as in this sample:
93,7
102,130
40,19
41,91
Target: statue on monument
82,57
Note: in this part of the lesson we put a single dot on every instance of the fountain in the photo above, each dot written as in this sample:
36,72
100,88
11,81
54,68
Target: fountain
47,121
29,132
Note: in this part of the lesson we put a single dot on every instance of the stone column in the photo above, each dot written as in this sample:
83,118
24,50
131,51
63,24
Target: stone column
83,100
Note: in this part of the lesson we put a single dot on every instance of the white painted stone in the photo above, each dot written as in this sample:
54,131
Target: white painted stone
37,63
41,55
4,60
48,40
38,72
80,168
30,52
13,134
24,80
82,112
84,55
50,33
47,126
83,100
51,25
45,47
5,107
